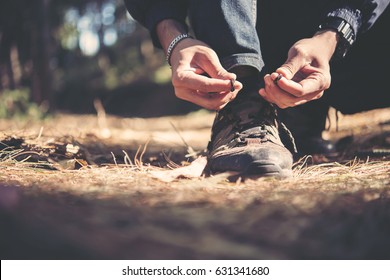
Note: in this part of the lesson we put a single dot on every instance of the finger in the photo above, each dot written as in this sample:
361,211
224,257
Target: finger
266,96
271,98
281,98
213,101
292,65
286,102
314,82
273,93
284,99
272,87
307,98
210,63
223,97
202,83
289,86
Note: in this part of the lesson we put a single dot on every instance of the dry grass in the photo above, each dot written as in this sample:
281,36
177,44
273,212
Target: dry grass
67,191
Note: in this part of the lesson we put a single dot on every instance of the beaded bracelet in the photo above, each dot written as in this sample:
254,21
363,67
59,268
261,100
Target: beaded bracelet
173,44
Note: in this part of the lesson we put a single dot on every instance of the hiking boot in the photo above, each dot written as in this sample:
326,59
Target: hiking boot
245,139
306,122
315,145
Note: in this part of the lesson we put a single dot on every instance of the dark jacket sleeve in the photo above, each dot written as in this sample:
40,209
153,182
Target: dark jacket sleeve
361,14
150,12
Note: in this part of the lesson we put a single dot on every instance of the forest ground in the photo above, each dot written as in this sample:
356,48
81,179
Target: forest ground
106,187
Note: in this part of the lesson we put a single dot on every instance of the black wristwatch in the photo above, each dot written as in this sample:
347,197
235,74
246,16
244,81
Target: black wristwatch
346,35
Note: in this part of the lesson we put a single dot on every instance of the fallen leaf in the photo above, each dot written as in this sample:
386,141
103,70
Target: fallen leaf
194,170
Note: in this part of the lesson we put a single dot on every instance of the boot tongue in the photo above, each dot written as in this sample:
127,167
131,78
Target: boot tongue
251,108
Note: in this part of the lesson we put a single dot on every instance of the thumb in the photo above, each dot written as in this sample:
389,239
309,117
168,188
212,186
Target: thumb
213,67
291,66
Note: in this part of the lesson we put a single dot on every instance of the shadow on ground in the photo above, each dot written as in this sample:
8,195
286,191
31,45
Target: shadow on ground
141,99
41,225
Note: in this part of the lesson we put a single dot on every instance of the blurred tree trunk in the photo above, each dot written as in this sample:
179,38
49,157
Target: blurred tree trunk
7,76
41,90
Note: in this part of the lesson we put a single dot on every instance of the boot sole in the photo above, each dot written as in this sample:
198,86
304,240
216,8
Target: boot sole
266,169
258,169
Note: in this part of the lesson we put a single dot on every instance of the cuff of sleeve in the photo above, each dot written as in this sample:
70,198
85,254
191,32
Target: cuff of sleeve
352,16
164,10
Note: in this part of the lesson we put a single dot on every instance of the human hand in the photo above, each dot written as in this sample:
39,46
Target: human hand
198,76
306,73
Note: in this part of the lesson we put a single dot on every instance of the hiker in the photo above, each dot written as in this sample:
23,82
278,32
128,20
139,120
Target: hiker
257,62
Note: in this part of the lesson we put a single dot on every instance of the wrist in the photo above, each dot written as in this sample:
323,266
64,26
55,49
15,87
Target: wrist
329,39
168,30
345,32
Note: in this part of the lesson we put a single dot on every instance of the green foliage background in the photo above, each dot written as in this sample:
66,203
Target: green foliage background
38,67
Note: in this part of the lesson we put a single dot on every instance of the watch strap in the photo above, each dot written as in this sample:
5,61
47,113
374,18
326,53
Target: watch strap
345,31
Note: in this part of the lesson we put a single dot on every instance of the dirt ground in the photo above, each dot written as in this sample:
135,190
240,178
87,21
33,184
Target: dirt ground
105,187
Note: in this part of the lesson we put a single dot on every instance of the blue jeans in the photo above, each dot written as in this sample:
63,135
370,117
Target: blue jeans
229,27
259,34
